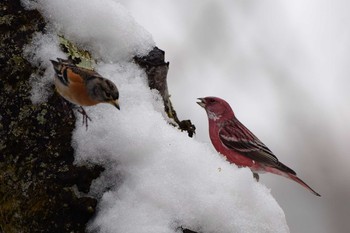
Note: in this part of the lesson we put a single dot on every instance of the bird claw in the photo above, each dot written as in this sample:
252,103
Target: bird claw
86,118
256,176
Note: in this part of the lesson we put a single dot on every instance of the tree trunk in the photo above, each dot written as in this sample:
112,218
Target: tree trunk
37,174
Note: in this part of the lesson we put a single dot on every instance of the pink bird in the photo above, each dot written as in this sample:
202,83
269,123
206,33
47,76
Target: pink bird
240,146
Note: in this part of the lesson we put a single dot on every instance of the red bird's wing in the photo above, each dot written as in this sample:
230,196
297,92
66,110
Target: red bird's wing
237,137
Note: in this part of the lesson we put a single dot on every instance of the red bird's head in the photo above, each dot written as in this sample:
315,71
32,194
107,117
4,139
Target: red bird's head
216,108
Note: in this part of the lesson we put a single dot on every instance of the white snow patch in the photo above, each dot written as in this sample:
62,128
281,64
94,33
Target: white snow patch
103,27
157,178
43,48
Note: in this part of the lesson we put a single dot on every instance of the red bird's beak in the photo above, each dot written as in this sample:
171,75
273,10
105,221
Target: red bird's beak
202,103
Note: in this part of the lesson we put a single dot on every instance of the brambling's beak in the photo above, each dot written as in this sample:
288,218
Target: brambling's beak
202,103
115,103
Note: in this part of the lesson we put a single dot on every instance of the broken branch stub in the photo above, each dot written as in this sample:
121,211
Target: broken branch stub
157,69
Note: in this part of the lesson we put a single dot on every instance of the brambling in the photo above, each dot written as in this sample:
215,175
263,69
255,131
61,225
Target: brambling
82,86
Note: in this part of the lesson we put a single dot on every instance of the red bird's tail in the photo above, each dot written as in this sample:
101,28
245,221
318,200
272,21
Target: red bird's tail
298,180
291,176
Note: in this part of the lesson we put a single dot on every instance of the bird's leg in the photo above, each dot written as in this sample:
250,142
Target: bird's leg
81,110
67,107
256,176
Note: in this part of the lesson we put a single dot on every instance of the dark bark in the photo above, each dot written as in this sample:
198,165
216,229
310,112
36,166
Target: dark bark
157,70
37,173
36,157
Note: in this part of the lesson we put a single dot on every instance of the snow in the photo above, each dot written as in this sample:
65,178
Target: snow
103,27
157,179
42,48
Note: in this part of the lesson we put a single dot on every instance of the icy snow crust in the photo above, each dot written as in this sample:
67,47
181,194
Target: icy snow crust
156,178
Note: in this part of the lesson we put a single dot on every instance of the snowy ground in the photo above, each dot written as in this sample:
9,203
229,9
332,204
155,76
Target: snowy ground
157,178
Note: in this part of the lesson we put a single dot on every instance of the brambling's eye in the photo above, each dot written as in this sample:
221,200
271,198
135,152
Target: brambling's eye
108,95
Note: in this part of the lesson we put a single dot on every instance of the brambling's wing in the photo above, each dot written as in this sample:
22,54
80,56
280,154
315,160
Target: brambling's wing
67,72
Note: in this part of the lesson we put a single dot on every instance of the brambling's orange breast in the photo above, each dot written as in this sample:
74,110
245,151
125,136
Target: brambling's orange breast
75,92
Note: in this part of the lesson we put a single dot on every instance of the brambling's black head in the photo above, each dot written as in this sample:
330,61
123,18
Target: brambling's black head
105,91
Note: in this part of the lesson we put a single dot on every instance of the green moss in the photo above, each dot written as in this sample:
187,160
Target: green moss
7,19
2,145
17,62
41,117
81,57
